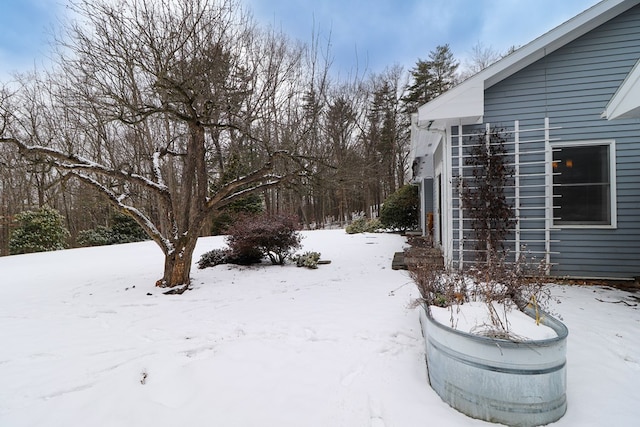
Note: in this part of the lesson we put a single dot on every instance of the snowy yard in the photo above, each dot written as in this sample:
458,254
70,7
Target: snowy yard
83,343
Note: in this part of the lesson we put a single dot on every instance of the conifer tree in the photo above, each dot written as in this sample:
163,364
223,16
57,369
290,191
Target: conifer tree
431,78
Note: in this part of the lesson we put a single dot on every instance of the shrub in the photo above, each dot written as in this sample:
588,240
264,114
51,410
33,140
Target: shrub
307,259
364,225
124,229
401,209
253,237
38,231
98,236
250,205
214,257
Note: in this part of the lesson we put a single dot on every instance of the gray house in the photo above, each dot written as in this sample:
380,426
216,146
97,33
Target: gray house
567,106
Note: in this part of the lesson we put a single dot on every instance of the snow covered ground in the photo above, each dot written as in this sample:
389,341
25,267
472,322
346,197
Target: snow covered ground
86,340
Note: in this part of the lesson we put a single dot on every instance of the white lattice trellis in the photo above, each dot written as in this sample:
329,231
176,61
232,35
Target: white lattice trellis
531,196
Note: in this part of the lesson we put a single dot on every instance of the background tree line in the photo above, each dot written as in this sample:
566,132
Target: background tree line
182,102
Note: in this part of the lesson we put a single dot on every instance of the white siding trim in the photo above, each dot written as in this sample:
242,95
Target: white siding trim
447,200
625,103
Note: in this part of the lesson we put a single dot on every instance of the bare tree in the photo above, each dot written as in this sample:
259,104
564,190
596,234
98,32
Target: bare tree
480,58
150,101
306,112
386,135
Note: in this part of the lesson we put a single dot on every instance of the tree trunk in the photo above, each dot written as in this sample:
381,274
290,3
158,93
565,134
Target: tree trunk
177,264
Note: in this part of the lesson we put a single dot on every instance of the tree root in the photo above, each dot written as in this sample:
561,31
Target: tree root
177,290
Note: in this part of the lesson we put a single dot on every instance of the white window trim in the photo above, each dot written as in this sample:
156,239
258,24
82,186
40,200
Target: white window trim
612,182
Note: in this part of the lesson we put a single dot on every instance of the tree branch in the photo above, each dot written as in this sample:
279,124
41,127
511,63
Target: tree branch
73,162
141,219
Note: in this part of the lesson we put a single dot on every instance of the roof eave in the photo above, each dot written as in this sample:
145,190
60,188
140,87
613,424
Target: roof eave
445,107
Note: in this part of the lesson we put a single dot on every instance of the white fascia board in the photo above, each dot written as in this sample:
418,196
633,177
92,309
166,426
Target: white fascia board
625,103
464,100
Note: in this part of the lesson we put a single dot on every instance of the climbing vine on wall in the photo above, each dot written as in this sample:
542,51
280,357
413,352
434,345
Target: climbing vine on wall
483,192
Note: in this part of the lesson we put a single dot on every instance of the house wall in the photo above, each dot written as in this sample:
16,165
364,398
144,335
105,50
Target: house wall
572,86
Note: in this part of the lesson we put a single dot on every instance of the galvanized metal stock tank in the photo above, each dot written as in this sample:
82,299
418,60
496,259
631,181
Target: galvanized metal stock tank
496,380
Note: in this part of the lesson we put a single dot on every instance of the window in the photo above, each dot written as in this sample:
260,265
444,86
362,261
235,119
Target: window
584,184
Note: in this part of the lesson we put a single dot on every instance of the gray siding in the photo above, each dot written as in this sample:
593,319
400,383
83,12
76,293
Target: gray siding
572,86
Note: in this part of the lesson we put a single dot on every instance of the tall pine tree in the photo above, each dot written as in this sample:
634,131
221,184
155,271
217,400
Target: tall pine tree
431,78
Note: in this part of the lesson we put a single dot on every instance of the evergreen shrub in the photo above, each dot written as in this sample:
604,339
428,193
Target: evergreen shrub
307,259
401,209
98,236
364,225
38,231
123,229
214,257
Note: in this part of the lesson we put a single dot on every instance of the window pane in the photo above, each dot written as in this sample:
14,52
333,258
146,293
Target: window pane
585,204
583,185
583,165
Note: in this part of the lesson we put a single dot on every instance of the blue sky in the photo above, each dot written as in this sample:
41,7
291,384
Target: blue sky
25,28
365,34
386,32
